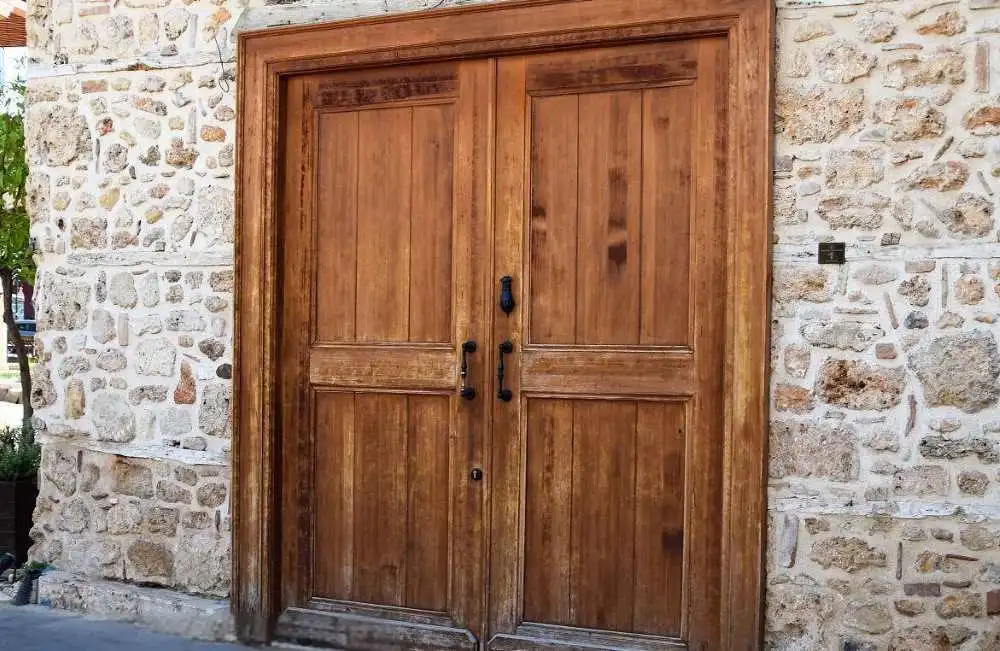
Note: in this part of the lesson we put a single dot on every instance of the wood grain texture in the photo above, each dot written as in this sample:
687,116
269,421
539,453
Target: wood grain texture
507,29
590,553
659,517
425,368
385,163
668,118
609,188
377,509
553,218
548,513
334,489
336,228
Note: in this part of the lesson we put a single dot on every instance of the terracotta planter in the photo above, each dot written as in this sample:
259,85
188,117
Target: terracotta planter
17,502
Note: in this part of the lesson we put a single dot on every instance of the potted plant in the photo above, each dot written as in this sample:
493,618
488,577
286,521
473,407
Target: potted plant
19,459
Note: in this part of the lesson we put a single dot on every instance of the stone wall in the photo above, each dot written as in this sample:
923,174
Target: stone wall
884,490
130,141
884,524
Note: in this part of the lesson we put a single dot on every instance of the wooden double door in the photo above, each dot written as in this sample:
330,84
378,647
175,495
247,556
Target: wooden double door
561,216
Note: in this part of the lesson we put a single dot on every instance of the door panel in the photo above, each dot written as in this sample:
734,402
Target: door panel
386,247
611,212
407,192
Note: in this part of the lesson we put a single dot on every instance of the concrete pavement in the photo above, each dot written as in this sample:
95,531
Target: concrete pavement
37,628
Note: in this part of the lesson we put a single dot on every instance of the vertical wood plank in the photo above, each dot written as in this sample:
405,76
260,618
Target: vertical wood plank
431,224
547,516
295,294
380,468
603,514
610,186
384,175
666,215
427,498
659,517
334,495
336,273
706,433
506,451
553,221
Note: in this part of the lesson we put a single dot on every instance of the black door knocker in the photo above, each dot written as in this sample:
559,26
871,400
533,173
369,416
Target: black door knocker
506,295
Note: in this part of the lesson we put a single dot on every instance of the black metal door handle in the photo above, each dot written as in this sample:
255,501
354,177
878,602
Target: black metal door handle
506,348
466,391
507,295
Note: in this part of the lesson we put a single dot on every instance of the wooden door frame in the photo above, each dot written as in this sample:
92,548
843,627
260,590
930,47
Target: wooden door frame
521,26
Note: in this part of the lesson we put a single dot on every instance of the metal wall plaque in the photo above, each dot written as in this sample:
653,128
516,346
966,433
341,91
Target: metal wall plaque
832,253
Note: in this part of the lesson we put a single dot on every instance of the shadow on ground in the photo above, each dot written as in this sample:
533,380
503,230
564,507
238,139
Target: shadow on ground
37,628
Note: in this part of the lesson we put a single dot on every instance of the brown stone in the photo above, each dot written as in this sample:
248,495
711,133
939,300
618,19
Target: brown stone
843,61
916,289
971,216
184,394
850,554
862,210
133,479
221,281
180,156
826,449
213,134
197,520
870,617
167,491
922,589
909,607
984,118
910,118
124,519
162,520
876,26
993,602
969,289
797,360
928,561
212,494
885,351
788,397
959,370
978,538
943,66
922,481
855,168
185,475
818,113
858,385
973,482
921,638
151,559
794,282
949,23
150,105
94,86
949,175
960,604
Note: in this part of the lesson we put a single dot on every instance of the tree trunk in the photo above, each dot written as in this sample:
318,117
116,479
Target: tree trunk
7,280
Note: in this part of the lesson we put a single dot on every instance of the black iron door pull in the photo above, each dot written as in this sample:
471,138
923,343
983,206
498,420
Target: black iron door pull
466,391
506,348
506,295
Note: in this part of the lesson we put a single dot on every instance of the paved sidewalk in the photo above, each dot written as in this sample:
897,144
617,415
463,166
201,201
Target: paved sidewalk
37,628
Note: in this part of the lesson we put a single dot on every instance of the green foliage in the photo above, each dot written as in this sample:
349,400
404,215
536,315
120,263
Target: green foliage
15,242
20,455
